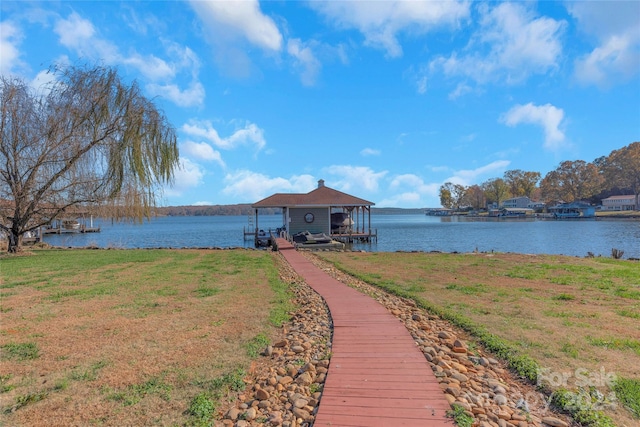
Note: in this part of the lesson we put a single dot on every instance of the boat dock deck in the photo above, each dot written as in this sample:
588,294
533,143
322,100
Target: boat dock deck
61,230
263,238
370,236
377,376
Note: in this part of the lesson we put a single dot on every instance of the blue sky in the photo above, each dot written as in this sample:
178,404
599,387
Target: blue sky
385,100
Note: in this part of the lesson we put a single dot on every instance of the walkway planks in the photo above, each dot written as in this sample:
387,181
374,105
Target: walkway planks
377,377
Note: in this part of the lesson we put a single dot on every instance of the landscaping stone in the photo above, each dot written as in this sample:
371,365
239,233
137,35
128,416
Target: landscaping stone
262,394
554,422
285,389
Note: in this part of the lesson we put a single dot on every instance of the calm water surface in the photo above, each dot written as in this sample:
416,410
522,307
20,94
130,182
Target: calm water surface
395,233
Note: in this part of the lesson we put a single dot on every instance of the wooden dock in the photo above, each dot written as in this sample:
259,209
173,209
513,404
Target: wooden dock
248,233
62,230
371,236
377,377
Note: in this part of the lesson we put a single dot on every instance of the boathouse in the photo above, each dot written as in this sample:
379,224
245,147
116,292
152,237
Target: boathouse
571,210
322,211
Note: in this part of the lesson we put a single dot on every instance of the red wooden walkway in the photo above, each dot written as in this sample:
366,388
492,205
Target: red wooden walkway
377,377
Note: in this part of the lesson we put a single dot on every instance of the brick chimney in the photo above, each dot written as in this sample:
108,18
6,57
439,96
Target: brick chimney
320,183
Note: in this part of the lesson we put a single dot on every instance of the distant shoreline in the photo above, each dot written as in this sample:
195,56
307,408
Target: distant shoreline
246,209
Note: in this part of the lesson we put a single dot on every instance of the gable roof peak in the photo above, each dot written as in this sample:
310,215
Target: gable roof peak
321,196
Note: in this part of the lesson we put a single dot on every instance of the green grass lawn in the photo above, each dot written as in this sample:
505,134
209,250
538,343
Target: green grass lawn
570,316
131,337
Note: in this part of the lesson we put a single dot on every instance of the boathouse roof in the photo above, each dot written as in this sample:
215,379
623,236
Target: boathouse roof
578,204
321,196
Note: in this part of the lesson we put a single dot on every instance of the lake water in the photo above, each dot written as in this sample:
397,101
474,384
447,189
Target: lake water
395,233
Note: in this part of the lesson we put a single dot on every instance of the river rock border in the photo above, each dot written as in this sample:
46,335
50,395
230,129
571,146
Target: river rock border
285,386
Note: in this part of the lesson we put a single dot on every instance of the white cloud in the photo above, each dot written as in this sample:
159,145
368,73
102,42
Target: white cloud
415,183
150,66
43,81
251,186
522,42
547,116
381,22
616,59
184,58
202,151
460,90
308,57
409,180
10,38
402,200
512,44
188,175
439,169
192,96
472,176
241,18
355,178
232,28
305,61
75,31
616,25
605,18
419,78
81,36
409,190
421,85
139,21
369,152
250,134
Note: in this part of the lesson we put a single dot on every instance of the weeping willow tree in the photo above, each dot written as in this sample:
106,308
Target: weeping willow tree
87,142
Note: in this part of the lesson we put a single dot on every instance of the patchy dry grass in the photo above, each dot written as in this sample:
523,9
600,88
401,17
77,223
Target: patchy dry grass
578,318
145,337
130,337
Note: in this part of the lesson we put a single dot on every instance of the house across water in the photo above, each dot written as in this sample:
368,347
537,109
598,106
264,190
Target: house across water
620,203
321,216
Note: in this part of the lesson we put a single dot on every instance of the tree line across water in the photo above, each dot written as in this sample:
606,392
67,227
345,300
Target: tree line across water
211,210
577,180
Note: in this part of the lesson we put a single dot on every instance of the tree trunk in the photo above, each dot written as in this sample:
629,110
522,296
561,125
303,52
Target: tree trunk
13,244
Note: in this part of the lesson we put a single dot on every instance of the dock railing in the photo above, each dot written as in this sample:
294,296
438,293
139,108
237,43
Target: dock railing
249,233
353,236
